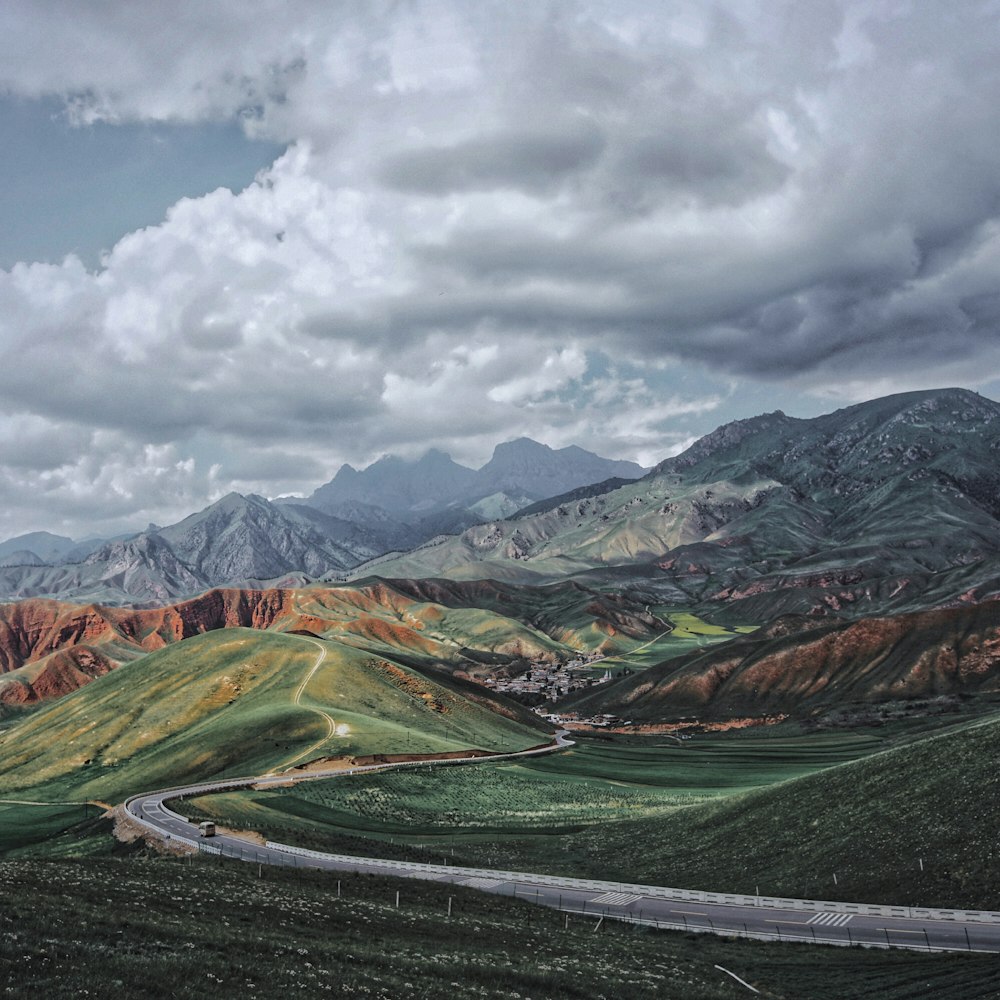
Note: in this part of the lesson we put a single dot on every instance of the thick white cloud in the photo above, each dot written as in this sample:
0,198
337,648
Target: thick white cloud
496,219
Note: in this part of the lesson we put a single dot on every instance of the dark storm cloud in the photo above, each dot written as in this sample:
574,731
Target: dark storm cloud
486,215
512,159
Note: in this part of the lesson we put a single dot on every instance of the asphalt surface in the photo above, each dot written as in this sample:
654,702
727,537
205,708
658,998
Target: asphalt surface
726,914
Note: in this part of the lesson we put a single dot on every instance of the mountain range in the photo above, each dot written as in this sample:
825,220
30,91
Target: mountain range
888,505
865,543
438,492
248,540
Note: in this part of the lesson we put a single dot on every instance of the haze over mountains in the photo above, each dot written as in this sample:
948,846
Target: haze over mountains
886,506
519,473
892,504
393,504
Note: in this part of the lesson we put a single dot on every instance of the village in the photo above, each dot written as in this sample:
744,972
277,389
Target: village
551,681
543,683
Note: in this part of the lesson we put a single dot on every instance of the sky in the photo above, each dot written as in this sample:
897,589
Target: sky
241,244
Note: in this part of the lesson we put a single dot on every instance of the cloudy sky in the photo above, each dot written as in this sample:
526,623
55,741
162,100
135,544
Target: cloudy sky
243,243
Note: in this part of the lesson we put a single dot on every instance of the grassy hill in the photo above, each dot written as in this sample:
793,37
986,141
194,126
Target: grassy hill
48,649
725,812
240,701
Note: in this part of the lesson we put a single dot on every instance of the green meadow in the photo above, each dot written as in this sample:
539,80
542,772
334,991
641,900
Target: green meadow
785,812
688,632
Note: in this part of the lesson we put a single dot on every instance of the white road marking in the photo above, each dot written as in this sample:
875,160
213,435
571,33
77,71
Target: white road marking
830,919
481,883
616,898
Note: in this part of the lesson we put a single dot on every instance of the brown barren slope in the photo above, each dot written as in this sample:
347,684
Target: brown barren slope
48,648
798,667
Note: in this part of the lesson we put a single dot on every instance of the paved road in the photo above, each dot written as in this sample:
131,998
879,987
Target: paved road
692,910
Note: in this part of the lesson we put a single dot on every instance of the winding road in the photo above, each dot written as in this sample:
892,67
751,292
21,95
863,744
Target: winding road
730,914
331,726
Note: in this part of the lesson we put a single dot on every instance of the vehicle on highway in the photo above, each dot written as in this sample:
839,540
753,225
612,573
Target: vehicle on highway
206,829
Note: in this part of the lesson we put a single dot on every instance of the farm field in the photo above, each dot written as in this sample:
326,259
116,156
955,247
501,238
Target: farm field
689,632
138,928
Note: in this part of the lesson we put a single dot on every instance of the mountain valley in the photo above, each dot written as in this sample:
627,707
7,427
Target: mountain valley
789,612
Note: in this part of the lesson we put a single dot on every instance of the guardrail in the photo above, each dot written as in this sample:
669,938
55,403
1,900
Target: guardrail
655,891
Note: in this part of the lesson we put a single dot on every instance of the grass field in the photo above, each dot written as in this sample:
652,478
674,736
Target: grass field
689,632
162,929
24,824
526,810
729,812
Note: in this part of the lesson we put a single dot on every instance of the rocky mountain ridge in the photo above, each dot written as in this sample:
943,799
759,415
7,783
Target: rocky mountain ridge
249,540
435,495
892,504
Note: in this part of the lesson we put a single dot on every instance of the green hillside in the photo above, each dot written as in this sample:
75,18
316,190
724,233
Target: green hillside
482,812
240,701
889,505
726,812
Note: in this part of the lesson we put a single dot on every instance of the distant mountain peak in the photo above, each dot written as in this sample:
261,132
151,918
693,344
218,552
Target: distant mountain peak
521,470
519,450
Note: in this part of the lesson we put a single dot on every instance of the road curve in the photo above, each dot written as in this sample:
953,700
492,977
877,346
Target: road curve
729,914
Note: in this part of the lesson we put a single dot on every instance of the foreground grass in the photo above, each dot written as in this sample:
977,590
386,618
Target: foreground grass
163,928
